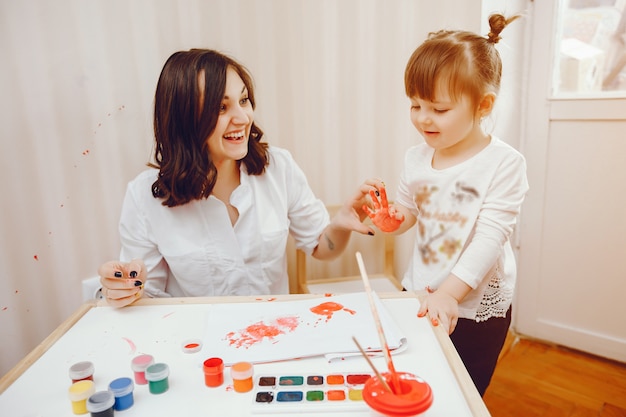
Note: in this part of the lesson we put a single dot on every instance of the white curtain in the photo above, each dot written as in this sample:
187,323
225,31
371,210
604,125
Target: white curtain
77,82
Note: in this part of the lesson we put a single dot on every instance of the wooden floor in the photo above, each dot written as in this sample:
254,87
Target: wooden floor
534,379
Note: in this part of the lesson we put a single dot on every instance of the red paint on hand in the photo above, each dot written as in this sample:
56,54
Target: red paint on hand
383,216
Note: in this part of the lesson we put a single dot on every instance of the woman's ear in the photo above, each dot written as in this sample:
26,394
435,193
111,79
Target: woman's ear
486,104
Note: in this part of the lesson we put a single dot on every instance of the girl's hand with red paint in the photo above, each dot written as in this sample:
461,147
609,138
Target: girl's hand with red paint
122,283
387,218
442,304
442,309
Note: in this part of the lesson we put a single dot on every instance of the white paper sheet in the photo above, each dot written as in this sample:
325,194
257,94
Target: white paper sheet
270,332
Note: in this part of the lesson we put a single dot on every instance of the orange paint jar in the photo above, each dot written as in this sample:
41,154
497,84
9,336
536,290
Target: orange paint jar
213,372
242,373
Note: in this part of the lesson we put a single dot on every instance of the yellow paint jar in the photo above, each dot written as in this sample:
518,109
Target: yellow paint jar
78,393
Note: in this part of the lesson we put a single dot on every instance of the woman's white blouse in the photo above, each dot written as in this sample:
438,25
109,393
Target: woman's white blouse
193,250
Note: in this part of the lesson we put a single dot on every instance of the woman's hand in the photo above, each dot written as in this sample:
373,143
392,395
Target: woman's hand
122,283
387,218
351,215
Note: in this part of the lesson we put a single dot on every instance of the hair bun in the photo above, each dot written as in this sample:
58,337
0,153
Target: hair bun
497,23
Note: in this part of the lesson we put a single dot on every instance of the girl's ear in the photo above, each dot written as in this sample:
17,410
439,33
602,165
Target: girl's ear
486,104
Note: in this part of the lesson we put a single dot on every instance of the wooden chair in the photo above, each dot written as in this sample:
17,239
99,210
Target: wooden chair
342,275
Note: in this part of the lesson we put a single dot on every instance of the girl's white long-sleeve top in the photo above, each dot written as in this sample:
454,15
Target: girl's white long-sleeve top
193,250
465,217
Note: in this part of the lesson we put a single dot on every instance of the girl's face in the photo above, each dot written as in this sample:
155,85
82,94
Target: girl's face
229,140
446,125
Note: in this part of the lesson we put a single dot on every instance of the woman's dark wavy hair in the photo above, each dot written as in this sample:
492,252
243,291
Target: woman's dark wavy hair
185,117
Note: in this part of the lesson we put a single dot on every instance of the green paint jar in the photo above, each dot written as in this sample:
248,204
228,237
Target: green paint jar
157,376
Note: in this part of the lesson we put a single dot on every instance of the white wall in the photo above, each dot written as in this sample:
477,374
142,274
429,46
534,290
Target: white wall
77,80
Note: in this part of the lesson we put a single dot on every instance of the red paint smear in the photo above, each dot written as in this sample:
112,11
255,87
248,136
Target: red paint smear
86,152
327,309
36,257
257,332
5,308
191,345
328,294
133,348
167,315
271,299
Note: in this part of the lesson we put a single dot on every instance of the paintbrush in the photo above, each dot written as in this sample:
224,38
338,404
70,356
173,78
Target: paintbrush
395,384
369,361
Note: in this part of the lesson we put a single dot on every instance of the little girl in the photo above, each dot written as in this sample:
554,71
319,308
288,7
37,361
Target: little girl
463,188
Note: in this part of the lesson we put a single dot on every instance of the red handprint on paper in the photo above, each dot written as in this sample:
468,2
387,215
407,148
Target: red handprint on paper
386,218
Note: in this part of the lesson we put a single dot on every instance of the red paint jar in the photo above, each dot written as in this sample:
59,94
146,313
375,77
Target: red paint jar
213,372
139,365
414,398
81,371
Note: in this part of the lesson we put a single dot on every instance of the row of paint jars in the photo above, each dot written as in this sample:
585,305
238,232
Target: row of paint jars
84,397
120,391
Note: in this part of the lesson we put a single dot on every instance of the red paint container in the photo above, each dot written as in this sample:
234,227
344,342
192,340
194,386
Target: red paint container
81,371
139,365
213,372
414,398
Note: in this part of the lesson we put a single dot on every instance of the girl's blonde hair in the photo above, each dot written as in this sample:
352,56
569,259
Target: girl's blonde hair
467,62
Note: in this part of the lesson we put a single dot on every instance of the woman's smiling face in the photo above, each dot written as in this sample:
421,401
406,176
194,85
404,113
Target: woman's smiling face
229,140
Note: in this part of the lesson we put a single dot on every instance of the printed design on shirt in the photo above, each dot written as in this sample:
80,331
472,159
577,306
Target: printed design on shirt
436,239
464,193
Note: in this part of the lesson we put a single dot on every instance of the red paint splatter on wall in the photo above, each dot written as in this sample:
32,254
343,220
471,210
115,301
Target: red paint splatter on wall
36,257
5,308
259,331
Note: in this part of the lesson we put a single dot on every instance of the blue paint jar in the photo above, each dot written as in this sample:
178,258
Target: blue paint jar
122,389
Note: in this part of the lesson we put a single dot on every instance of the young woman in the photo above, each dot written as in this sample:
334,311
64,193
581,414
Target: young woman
212,215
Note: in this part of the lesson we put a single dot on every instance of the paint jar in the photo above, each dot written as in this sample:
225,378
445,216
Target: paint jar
415,395
157,375
81,371
139,365
100,404
78,393
242,373
213,369
122,389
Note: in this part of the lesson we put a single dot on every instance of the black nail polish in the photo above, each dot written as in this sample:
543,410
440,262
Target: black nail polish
118,274
133,274
138,283
370,233
377,193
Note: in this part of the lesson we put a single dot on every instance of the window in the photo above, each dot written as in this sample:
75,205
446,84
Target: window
591,41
